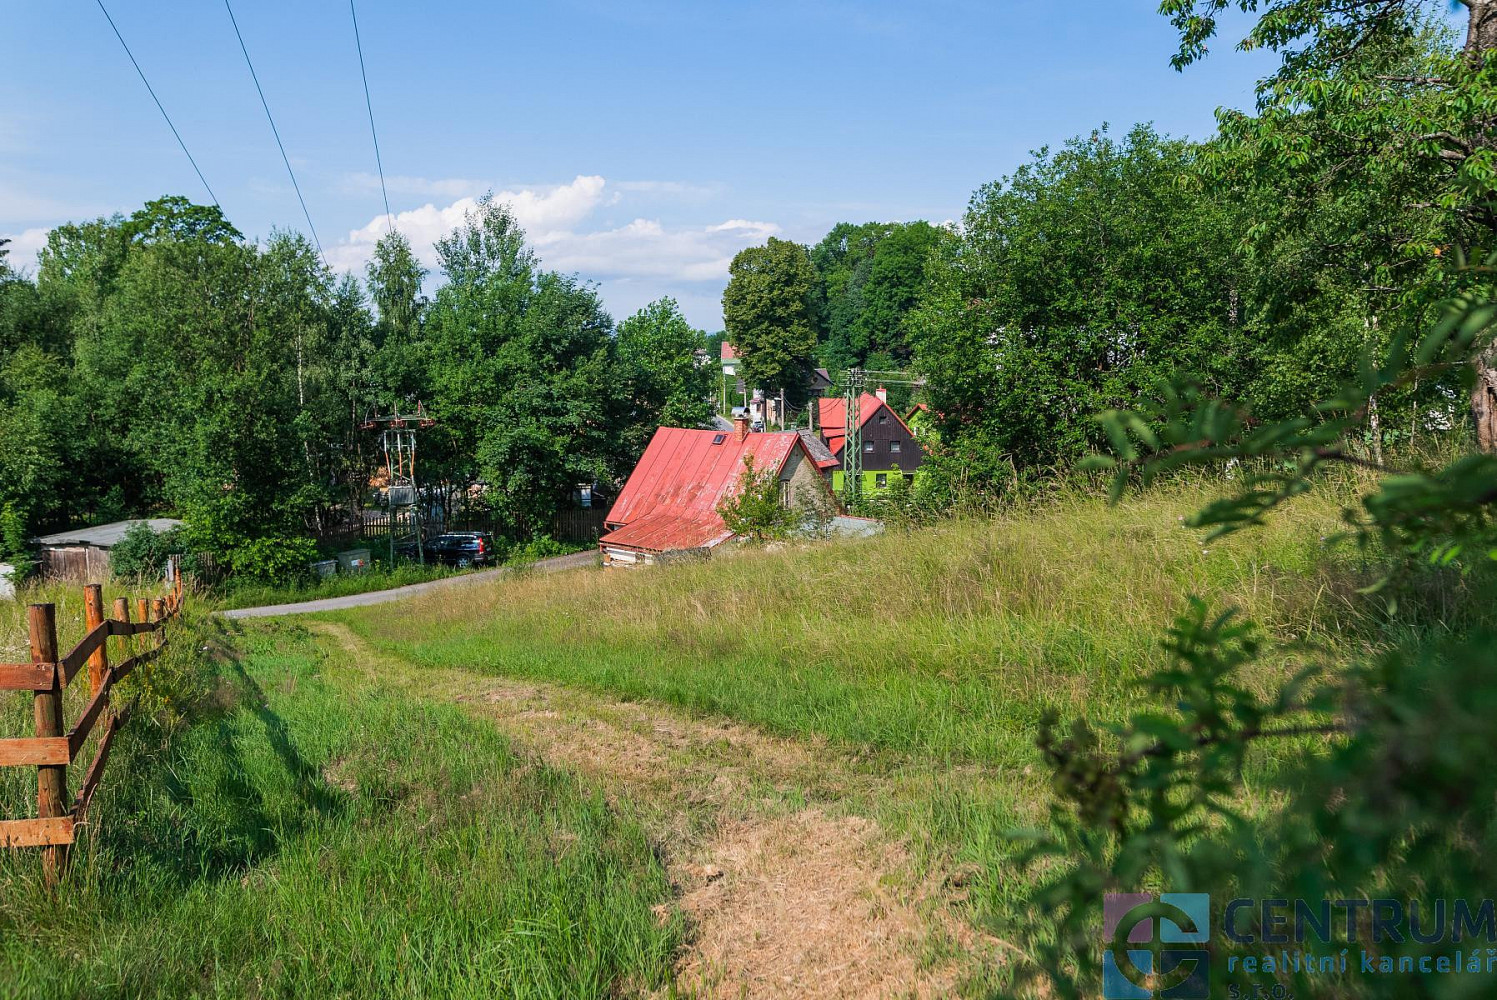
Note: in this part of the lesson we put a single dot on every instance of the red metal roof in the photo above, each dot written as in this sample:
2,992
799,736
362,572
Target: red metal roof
670,501
831,417
729,352
666,530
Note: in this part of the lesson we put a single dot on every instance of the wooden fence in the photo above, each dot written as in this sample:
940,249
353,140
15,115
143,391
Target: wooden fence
47,676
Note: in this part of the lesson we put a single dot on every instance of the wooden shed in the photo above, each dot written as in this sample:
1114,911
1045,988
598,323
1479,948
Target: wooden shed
82,554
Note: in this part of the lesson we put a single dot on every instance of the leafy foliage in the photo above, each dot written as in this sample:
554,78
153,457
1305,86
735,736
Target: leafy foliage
656,348
771,314
142,553
1074,285
1401,797
755,509
871,277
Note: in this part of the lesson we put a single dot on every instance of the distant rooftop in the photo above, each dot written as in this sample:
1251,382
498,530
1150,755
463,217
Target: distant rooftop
104,536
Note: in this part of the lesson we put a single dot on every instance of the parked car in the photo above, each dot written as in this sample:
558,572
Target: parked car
462,548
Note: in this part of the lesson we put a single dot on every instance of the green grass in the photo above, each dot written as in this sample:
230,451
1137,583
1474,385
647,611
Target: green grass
926,656
308,832
946,642
321,834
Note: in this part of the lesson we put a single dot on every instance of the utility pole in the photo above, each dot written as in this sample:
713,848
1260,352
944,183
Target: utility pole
398,436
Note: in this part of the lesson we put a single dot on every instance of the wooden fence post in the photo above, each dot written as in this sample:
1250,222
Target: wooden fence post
93,617
158,614
122,614
51,779
143,613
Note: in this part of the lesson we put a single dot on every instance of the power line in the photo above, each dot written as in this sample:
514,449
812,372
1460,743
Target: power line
151,90
275,131
390,218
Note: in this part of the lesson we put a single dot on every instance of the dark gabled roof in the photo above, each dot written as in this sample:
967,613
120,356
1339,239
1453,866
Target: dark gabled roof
832,418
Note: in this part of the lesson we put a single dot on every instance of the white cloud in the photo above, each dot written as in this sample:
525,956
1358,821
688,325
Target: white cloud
554,221
24,246
540,212
646,249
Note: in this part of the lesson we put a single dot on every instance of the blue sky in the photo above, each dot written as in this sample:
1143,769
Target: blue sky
643,143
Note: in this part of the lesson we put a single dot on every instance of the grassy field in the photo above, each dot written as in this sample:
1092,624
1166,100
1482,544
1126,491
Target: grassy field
495,789
945,642
927,657
304,831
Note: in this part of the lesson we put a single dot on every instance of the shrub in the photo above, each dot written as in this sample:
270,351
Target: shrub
754,508
142,553
272,559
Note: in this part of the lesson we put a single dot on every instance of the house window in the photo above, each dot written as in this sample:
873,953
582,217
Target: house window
868,447
785,492
881,480
719,438
894,447
883,418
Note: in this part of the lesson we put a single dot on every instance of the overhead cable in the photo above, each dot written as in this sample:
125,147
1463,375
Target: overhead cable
152,91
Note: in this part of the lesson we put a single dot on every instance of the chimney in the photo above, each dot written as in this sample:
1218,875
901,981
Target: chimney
882,394
740,428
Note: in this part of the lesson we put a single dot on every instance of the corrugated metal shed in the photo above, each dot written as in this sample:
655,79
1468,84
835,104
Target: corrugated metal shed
669,531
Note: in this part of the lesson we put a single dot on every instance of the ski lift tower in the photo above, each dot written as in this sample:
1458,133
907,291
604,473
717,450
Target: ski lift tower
857,380
398,438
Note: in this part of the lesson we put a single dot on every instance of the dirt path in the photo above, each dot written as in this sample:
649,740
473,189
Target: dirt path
555,564
786,893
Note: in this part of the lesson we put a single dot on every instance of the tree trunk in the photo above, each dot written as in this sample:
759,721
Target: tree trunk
1484,400
1481,28
1481,38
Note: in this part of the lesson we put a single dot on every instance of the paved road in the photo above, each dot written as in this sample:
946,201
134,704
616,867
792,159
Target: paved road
553,565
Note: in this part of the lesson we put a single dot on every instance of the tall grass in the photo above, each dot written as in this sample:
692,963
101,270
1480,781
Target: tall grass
927,656
947,641
307,832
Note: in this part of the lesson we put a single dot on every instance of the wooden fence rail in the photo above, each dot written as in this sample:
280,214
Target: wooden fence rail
47,676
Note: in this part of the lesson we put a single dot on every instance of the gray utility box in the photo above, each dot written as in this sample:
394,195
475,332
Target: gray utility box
325,568
354,560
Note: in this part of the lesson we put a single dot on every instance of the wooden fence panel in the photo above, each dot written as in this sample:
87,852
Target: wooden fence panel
52,750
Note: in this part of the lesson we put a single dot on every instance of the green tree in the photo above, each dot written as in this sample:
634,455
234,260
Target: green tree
755,508
770,312
1368,109
870,279
1075,285
657,351
523,374
395,277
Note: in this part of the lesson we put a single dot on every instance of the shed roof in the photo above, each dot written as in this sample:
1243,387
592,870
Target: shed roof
104,536
817,449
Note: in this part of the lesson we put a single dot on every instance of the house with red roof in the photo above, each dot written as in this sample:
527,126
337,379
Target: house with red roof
889,447
669,505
